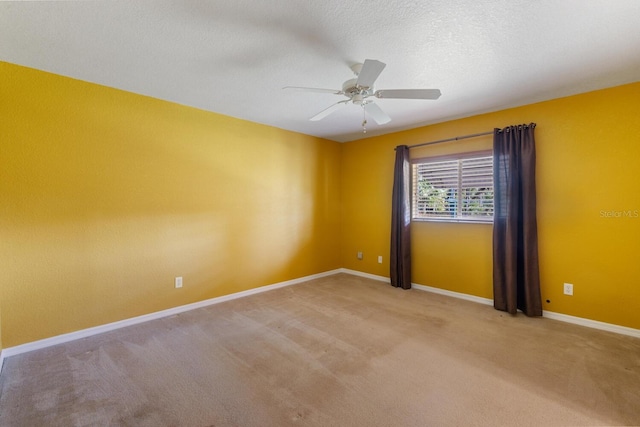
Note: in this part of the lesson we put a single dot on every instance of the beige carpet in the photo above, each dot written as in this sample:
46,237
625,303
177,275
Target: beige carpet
337,351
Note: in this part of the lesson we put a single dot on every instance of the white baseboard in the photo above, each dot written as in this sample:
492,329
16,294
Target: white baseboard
486,301
48,342
609,327
365,275
459,295
59,339
422,287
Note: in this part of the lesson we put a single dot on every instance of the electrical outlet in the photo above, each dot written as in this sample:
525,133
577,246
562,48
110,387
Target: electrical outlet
178,282
379,259
568,289
359,255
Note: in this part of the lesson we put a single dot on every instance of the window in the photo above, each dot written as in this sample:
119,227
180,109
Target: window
453,188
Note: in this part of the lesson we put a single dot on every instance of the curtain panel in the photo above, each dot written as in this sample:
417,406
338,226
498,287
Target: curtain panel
400,258
516,281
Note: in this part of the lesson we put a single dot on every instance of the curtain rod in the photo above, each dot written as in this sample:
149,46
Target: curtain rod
452,139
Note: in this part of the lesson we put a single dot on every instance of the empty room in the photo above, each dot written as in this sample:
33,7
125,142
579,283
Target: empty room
382,213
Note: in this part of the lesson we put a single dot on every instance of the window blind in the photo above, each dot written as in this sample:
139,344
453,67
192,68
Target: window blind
453,189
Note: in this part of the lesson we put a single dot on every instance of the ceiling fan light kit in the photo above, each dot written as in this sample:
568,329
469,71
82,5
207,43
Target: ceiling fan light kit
359,90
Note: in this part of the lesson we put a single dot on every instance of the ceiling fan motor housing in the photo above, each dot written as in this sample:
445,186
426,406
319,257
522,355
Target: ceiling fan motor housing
351,90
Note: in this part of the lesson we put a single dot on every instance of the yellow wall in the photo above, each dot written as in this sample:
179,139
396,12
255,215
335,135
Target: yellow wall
588,149
106,196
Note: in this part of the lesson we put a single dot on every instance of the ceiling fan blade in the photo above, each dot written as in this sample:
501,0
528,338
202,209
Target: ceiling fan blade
324,113
376,113
408,93
370,71
314,89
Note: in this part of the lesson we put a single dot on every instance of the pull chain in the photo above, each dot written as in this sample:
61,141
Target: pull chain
364,121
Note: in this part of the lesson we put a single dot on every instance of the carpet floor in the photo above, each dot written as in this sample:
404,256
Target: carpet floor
336,351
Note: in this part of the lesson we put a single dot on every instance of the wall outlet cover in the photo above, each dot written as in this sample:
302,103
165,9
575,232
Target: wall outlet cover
568,289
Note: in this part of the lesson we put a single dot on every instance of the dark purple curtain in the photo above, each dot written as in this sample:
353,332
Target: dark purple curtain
516,281
400,258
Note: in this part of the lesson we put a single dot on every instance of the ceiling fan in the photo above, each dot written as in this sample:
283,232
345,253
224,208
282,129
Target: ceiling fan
360,91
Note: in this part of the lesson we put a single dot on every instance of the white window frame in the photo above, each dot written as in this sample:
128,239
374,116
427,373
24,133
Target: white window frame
454,173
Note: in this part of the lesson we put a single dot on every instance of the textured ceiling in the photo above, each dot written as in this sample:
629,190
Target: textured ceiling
233,57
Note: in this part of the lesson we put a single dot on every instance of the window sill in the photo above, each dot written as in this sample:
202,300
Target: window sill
454,220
